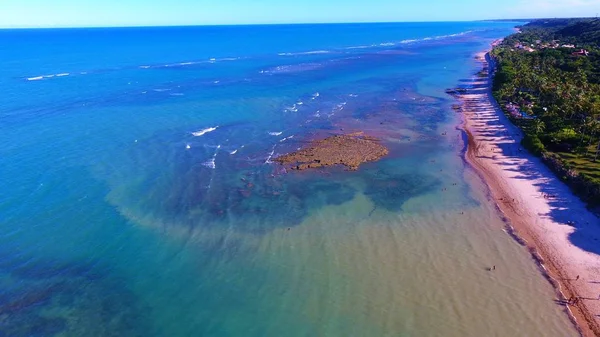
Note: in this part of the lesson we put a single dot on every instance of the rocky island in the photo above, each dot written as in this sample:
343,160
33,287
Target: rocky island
349,150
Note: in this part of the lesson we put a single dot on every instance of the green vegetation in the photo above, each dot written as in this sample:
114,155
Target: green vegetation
548,83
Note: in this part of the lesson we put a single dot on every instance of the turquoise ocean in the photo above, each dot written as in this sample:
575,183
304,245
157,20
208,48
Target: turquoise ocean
138,193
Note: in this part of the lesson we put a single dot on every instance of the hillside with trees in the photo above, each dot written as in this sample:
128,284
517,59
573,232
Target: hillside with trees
548,83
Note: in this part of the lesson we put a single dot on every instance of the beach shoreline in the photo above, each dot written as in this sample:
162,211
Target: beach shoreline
546,223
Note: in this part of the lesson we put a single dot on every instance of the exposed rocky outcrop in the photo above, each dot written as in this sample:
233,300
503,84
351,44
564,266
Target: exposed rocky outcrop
349,150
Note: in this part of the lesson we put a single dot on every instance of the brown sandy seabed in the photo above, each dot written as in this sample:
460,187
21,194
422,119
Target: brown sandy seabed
547,240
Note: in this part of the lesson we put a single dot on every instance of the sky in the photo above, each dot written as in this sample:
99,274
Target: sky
102,13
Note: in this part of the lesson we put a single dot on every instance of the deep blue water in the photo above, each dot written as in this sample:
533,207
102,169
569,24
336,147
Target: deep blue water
135,162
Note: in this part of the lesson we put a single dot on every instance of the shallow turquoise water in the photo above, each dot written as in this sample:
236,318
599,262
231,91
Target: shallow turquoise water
139,196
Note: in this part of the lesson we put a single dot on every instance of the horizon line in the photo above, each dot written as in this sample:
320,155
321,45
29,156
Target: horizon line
285,23
268,24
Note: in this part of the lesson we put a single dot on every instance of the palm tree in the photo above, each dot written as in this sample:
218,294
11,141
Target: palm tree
538,126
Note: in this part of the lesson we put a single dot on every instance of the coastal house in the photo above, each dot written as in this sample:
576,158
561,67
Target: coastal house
515,111
524,47
568,46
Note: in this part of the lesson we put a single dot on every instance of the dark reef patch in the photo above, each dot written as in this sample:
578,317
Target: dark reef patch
45,298
391,190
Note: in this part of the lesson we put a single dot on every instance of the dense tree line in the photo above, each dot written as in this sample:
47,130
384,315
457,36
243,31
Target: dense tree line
548,81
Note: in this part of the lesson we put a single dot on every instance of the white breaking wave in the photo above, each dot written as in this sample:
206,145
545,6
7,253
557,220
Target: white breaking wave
204,131
360,47
407,41
275,133
233,152
339,107
306,53
293,68
286,138
211,163
293,108
268,161
37,78
315,95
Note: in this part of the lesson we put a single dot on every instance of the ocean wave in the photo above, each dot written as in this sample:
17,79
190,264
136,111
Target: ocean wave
268,161
236,150
339,107
293,108
359,47
162,90
315,95
294,68
314,52
204,131
212,162
177,94
228,59
275,133
41,77
409,41
286,138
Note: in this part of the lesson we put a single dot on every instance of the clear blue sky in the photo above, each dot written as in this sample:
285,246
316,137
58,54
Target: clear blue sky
89,13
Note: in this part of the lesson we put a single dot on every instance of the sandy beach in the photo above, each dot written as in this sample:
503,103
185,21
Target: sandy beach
541,211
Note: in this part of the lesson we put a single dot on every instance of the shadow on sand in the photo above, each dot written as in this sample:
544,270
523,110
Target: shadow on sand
565,208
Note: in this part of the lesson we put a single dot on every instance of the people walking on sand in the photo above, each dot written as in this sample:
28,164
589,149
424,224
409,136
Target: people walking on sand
577,278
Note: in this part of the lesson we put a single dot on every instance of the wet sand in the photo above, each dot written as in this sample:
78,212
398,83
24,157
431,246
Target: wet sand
541,211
